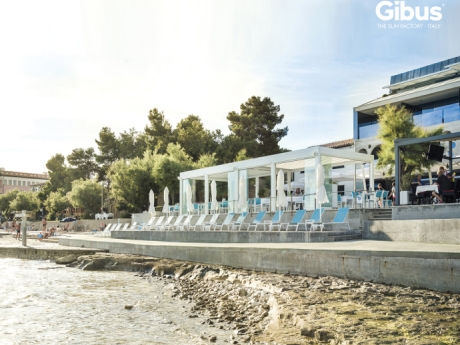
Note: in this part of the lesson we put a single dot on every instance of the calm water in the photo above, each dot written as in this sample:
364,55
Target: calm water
43,304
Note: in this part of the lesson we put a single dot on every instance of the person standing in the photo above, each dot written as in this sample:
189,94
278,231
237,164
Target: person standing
44,224
18,231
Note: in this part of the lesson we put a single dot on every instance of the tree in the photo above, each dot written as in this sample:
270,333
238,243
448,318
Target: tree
255,126
87,195
83,163
132,181
396,123
193,138
56,203
60,176
159,133
6,199
25,201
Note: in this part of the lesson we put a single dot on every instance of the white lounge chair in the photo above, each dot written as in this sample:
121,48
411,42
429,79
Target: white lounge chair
226,222
166,223
176,223
185,224
199,222
125,226
211,223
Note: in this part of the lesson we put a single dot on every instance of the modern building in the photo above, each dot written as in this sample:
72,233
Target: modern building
21,180
431,92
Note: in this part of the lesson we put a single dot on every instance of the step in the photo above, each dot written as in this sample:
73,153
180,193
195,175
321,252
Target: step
345,237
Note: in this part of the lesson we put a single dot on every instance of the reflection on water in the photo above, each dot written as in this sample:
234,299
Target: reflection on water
42,303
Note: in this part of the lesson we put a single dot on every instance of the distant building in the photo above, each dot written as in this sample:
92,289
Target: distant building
10,180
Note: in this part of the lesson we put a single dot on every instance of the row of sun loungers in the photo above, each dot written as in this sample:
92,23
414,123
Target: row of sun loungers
259,223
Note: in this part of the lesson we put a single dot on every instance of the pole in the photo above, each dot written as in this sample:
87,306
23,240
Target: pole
24,228
102,197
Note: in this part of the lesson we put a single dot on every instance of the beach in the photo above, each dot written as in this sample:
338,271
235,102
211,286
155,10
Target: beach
229,305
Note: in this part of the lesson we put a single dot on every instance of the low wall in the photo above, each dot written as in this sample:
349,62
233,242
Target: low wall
43,253
424,231
416,212
432,270
80,225
224,236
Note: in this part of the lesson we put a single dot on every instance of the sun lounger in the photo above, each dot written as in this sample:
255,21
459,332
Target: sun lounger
125,226
212,222
257,220
186,224
199,223
226,222
275,221
315,218
296,220
167,222
339,218
176,223
239,221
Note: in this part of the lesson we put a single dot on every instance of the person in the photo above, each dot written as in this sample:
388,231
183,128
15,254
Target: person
44,223
297,192
443,182
418,180
379,201
18,231
58,230
40,236
392,195
33,228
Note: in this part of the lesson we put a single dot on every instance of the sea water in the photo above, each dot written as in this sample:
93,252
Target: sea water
43,303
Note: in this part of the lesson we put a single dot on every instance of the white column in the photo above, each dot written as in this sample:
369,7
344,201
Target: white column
180,195
371,176
206,194
257,186
273,187
317,162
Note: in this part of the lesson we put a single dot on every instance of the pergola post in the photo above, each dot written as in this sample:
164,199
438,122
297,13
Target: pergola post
257,187
397,172
273,187
180,195
206,194
24,228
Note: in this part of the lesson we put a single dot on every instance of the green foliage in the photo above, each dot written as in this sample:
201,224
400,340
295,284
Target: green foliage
86,194
83,163
132,181
25,201
191,135
396,123
255,126
60,176
241,156
159,133
56,203
6,199
206,160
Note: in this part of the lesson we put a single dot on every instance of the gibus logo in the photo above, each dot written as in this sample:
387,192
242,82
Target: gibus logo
397,10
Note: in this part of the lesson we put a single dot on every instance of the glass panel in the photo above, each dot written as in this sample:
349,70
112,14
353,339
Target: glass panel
428,119
232,191
368,131
452,113
310,184
327,164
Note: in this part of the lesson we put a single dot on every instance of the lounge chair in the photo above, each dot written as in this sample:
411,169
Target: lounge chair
125,227
133,226
158,223
315,218
115,227
296,220
212,222
275,221
149,224
101,233
257,220
199,223
339,218
237,223
185,224
226,222
176,223
167,222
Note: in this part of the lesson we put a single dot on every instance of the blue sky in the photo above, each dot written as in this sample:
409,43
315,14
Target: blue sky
69,68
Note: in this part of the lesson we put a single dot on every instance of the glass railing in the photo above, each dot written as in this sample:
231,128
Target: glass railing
368,131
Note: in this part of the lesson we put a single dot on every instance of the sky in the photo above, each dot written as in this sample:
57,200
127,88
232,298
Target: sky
69,68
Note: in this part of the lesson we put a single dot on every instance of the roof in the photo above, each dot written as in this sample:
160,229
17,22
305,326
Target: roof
24,175
450,84
340,143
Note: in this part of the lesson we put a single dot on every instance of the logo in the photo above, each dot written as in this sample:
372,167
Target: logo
397,10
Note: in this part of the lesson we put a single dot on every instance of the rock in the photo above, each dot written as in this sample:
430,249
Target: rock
65,260
213,339
129,307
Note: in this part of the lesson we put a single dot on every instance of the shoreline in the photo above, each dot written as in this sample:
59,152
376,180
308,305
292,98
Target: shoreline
268,308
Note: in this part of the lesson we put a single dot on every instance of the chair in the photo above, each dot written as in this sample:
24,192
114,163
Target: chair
185,224
257,220
133,226
356,198
296,220
238,221
373,197
212,221
315,218
226,222
149,224
385,201
125,227
415,196
166,223
340,201
275,221
101,233
116,227
339,218
452,194
223,207
176,223
157,223
199,223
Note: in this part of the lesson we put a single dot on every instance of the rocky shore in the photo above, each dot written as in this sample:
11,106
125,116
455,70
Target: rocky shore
268,308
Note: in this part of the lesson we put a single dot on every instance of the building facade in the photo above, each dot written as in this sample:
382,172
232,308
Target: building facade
431,93
10,180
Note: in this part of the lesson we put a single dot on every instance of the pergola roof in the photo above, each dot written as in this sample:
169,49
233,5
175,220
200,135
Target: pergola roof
288,161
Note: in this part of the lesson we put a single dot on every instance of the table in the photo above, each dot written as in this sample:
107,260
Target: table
428,188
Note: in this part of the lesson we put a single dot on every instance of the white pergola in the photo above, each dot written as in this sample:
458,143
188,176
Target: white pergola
300,160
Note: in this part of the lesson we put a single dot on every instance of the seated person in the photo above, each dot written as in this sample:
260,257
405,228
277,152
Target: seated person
418,180
392,195
40,236
297,192
443,182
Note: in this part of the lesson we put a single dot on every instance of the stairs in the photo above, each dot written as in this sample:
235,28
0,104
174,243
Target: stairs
381,214
345,235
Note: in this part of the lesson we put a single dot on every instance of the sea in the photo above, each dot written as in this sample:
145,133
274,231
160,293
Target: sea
45,303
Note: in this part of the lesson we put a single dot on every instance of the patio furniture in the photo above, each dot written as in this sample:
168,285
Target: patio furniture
238,221
339,218
176,223
199,222
275,221
315,218
185,224
226,222
296,220
257,220
165,224
212,222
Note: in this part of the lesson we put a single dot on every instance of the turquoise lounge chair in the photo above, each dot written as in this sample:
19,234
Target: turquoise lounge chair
239,221
296,220
226,222
339,218
275,221
315,218
257,221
